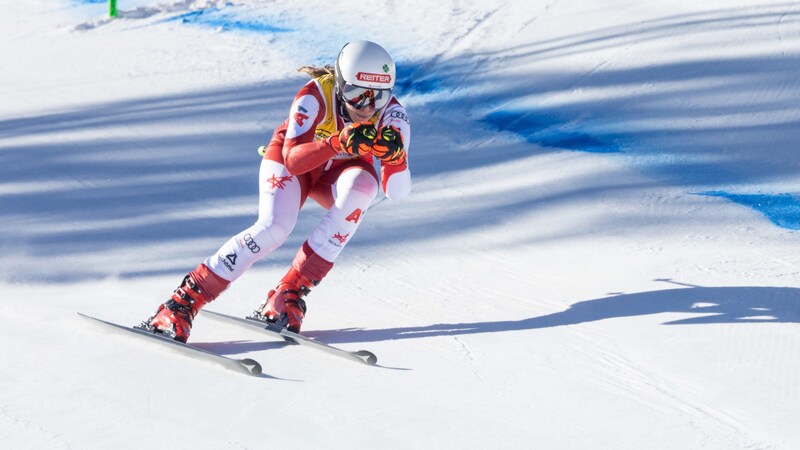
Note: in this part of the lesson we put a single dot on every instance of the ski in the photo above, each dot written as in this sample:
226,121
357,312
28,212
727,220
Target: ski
246,366
362,356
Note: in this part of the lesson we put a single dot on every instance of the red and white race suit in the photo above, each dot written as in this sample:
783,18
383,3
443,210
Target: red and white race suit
300,163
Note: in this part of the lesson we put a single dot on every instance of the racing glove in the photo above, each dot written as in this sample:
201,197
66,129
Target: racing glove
388,146
355,139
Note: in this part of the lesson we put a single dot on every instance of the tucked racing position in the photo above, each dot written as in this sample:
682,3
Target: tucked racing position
339,123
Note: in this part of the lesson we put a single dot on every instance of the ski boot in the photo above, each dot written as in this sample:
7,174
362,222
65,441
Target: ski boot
284,305
173,319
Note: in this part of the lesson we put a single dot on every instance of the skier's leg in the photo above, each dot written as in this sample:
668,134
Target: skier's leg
349,197
352,192
280,198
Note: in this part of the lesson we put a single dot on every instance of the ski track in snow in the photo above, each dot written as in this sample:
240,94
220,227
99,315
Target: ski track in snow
18,425
475,369
651,388
780,23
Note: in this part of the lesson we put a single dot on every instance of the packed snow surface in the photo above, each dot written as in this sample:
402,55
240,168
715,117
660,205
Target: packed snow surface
600,250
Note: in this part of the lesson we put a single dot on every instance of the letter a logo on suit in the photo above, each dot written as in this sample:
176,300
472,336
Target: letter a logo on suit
354,216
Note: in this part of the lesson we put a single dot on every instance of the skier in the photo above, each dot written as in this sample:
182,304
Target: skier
338,122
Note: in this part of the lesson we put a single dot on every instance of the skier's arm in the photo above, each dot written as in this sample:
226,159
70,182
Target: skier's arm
302,158
300,152
396,178
355,139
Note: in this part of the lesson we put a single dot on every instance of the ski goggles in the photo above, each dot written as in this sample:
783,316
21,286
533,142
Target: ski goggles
360,98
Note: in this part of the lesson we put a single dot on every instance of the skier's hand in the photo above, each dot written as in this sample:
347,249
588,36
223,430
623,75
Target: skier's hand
389,146
355,139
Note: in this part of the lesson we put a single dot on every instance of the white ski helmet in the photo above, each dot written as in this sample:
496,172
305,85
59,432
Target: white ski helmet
365,75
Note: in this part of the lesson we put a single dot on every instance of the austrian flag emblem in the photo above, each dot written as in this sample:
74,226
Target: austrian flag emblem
278,182
341,238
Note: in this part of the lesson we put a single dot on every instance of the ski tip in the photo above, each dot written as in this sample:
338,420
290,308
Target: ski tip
251,365
367,356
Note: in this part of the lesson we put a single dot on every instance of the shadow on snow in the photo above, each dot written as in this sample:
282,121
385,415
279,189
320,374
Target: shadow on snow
702,305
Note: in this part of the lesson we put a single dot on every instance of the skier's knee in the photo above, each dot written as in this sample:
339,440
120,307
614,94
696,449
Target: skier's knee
273,234
359,181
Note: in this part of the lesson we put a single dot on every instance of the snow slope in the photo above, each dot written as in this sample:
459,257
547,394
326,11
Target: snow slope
600,250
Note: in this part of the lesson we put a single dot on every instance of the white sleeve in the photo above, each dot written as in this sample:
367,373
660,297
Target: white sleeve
397,183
